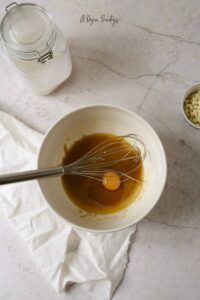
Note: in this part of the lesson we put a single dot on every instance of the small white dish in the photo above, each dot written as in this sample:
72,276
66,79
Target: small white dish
93,119
191,90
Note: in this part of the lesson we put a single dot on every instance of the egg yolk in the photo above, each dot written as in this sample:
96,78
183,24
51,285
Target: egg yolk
111,181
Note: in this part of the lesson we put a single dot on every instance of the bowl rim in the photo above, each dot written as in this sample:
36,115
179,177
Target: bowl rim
193,88
163,183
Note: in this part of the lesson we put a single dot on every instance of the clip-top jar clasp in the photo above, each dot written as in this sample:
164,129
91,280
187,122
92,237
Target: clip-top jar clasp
48,55
11,4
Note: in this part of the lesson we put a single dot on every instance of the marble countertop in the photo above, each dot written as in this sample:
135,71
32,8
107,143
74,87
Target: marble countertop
145,63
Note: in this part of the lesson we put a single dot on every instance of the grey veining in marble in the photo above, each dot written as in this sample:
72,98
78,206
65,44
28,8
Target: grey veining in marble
145,63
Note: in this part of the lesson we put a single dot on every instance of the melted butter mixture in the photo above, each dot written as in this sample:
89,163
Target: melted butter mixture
91,195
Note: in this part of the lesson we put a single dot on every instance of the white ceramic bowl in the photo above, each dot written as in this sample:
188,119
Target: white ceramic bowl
191,90
111,119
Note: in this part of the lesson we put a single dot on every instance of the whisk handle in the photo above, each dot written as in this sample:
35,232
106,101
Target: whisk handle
30,175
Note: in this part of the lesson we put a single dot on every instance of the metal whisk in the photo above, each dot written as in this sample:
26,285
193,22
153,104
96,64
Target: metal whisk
95,163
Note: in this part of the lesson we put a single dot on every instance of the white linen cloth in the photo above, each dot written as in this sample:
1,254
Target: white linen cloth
64,254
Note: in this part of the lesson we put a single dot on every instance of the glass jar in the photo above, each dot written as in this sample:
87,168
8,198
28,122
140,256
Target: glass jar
35,46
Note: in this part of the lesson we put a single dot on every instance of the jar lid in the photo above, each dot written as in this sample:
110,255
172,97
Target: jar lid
27,30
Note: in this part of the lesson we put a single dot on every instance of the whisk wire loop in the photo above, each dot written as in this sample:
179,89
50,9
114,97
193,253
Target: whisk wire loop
96,162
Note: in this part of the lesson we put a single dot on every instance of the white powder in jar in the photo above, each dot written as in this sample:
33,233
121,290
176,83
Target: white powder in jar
39,52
